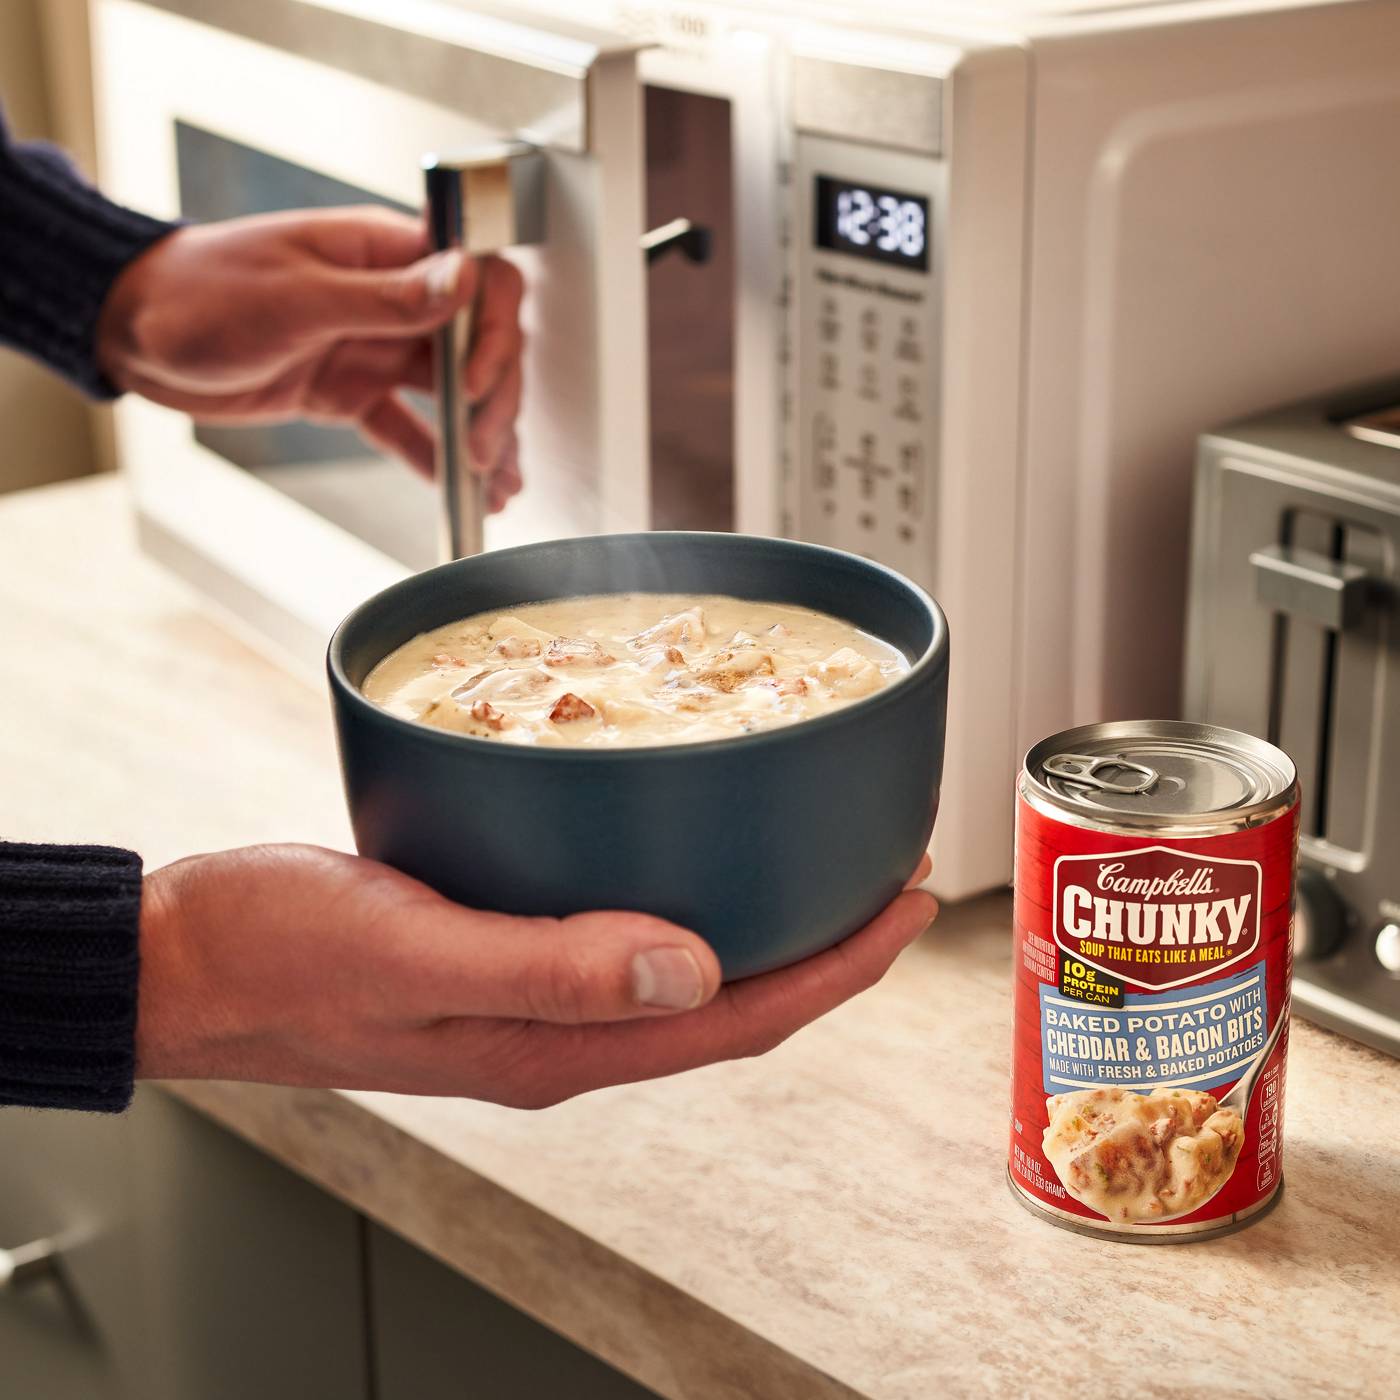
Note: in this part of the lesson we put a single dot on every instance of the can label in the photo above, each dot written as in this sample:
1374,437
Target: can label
1149,977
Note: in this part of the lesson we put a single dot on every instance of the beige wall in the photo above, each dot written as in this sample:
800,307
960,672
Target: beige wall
47,431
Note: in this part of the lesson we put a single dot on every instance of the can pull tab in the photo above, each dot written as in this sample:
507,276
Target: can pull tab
1085,769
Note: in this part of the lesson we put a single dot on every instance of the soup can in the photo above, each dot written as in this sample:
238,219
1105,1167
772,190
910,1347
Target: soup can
1153,958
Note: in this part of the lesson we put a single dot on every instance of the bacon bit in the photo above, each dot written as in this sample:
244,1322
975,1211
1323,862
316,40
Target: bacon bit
517,648
786,685
490,716
569,651
469,683
675,656
570,707
443,659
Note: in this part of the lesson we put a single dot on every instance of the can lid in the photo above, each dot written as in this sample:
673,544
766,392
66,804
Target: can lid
1152,770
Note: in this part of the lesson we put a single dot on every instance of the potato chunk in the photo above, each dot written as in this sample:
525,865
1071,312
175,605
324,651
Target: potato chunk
575,651
682,629
732,668
848,674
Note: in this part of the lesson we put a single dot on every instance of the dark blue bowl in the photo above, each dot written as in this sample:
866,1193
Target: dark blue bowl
772,846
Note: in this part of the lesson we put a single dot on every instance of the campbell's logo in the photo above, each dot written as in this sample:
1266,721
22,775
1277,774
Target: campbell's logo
1156,916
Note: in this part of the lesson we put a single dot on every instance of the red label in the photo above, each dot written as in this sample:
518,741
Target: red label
1157,916
1150,975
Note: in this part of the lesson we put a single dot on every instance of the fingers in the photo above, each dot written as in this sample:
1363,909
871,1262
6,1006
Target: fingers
745,1018
493,380
505,480
594,967
921,872
328,302
388,423
359,236
497,338
354,374
492,422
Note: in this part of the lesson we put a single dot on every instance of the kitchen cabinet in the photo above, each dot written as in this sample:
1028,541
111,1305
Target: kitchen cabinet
438,1336
252,1276
193,1267
64,1177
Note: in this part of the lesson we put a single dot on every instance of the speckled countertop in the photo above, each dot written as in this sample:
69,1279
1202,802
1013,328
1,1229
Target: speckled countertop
831,1220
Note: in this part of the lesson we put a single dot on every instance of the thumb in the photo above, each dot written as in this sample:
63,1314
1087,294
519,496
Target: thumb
386,301
603,966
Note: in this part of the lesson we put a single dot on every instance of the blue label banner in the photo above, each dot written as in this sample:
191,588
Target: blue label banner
1197,1037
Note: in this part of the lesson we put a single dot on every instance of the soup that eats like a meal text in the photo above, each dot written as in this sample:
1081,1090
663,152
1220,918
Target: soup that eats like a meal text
630,669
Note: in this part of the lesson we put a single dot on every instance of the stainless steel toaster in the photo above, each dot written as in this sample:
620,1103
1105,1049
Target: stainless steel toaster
1292,634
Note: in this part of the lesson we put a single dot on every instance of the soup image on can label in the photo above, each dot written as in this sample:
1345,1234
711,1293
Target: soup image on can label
1153,922
1135,1156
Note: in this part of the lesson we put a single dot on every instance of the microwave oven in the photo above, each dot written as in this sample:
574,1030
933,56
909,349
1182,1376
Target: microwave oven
977,277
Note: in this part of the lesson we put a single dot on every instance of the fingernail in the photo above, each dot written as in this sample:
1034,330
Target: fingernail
667,977
444,270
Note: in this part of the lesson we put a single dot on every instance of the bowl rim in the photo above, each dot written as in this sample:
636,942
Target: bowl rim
933,658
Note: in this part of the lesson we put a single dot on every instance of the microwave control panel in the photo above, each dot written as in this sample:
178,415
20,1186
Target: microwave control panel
866,249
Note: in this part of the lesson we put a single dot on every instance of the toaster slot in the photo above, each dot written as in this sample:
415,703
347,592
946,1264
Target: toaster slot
1300,704
1357,701
1328,639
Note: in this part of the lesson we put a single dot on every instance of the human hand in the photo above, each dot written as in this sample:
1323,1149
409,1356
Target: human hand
297,965
322,314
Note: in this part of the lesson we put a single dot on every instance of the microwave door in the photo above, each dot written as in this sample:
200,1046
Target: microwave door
210,111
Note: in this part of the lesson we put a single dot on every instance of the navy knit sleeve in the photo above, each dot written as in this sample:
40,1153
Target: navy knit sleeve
61,247
69,958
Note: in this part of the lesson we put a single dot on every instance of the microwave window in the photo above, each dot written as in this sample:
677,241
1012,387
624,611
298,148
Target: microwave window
866,221
328,470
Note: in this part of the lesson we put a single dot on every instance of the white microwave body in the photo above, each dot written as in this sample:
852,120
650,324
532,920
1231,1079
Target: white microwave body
987,272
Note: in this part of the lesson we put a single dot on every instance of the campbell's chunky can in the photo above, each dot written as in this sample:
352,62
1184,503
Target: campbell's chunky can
1153,959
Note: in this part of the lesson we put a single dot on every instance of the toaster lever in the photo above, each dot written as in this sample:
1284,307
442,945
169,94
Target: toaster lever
1305,584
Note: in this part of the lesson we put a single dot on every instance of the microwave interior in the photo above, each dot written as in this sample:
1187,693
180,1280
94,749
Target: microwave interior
690,303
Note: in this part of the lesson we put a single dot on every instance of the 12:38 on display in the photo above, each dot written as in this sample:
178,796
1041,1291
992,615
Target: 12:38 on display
870,222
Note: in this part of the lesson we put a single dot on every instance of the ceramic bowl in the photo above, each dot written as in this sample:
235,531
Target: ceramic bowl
772,845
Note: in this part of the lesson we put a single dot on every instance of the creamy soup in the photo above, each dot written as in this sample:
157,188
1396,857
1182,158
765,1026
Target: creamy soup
628,669
1134,1157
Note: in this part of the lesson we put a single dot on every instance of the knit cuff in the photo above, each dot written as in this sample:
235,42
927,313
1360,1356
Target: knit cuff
69,957
64,246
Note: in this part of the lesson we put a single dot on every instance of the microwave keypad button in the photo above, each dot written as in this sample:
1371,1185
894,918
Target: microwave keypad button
870,330
869,383
907,399
907,348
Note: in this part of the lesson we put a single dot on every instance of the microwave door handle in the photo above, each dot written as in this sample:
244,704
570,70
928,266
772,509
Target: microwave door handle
481,202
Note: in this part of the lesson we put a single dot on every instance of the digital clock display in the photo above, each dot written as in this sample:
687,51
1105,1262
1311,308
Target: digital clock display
869,222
